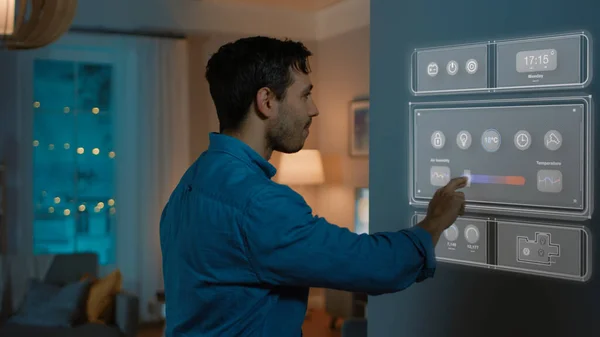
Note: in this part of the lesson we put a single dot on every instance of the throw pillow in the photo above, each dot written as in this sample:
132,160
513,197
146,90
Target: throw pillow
52,305
102,297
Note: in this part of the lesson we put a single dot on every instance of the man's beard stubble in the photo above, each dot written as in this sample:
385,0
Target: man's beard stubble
286,138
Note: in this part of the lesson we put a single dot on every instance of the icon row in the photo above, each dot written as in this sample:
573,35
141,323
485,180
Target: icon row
548,181
471,233
491,140
452,67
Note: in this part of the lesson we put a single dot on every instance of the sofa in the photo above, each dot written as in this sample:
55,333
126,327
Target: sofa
21,276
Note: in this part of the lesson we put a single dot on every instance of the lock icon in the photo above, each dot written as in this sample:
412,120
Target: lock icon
438,139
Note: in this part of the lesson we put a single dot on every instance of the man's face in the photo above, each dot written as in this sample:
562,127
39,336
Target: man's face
288,132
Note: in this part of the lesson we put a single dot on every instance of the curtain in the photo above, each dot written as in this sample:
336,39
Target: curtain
163,97
150,88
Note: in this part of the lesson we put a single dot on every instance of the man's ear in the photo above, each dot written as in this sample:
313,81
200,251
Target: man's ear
265,103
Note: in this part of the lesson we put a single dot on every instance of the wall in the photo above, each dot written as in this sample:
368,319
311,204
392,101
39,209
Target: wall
343,63
194,16
343,76
9,142
466,301
207,17
203,117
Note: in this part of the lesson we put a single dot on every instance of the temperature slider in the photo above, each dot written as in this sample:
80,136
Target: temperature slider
497,180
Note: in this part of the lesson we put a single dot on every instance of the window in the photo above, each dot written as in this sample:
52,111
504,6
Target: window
361,216
74,158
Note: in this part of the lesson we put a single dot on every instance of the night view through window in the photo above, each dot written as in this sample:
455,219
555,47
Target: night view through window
74,159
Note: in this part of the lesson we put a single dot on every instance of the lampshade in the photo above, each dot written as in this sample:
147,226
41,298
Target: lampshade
7,17
31,24
304,167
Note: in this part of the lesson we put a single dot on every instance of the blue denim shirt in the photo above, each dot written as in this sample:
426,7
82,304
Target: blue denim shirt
241,251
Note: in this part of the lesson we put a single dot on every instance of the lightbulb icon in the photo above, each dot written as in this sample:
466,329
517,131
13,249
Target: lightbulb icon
463,140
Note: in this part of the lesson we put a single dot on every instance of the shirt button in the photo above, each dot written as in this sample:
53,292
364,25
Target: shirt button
189,188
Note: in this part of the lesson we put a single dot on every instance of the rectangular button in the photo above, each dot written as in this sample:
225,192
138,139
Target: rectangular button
554,251
542,62
464,242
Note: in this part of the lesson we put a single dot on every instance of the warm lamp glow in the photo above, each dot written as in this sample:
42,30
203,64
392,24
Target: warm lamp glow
7,17
301,168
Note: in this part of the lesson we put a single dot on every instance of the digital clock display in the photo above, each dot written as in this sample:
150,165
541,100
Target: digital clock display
537,60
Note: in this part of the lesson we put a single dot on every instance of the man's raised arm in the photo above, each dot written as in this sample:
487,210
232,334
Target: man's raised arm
289,246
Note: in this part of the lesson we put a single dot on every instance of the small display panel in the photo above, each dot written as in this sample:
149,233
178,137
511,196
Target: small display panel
529,156
537,60
544,62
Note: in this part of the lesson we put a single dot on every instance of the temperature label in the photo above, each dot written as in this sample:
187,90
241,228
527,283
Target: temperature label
490,140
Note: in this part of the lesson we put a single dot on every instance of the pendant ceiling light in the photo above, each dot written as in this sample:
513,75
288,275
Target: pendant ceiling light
30,24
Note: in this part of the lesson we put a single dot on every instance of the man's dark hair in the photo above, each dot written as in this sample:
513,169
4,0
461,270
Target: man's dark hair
239,69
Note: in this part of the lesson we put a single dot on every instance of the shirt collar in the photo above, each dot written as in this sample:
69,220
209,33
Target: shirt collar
240,150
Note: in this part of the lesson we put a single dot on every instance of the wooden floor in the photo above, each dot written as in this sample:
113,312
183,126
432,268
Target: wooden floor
315,325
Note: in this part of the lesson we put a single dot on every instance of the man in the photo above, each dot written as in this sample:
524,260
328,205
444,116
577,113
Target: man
241,251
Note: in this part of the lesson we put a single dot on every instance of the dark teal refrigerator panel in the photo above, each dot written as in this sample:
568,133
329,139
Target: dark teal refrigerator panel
503,92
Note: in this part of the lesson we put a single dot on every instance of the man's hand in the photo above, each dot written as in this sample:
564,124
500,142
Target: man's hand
445,206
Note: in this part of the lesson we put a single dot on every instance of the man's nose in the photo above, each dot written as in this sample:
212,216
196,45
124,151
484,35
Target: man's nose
314,111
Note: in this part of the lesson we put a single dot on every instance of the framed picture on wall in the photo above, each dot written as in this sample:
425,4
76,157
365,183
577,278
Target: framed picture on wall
361,213
359,128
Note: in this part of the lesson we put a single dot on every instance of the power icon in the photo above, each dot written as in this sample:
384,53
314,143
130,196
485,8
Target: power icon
452,68
472,66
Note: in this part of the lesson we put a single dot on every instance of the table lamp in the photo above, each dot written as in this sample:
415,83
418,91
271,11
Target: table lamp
302,168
